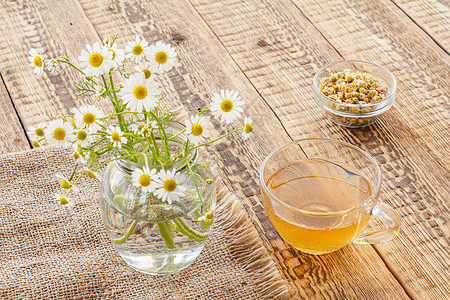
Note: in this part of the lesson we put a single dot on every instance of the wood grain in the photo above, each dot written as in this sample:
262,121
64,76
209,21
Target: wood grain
356,272
280,51
47,26
380,32
433,16
12,135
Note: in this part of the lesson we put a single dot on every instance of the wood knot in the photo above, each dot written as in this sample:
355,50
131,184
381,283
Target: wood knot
262,43
178,38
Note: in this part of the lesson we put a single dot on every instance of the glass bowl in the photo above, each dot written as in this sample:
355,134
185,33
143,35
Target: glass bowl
361,114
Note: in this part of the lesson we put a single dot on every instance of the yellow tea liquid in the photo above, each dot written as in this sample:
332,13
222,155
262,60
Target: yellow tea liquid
317,186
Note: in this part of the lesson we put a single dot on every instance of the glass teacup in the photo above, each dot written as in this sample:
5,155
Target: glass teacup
319,195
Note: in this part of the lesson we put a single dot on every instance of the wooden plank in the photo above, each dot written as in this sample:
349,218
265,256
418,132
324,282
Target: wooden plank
12,135
279,50
47,26
356,272
380,32
433,16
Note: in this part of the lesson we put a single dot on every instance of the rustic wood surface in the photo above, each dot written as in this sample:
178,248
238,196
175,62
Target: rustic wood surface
433,16
269,51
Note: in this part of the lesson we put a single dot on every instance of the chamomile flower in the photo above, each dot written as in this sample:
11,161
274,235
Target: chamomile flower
87,117
65,183
168,186
96,61
227,106
99,92
36,143
116,136
145,68
195,130
91,174
78,155
118,55
248,128
206,220
162,57
136,49
144,128
37,132
36,61
82,137
58,132
139,93
145,179
52,65
63,199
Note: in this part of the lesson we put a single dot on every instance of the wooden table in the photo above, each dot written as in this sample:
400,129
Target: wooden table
269,51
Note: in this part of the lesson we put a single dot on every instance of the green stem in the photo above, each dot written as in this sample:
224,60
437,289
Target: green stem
127,234
185,229
215,140
73,172
122,157
166,233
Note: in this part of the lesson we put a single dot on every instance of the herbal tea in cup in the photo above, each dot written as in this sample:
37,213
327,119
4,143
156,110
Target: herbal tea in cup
319,195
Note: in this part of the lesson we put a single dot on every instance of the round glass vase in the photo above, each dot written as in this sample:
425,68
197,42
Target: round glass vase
152,236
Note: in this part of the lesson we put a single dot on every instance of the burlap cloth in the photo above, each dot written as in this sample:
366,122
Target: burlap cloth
50,251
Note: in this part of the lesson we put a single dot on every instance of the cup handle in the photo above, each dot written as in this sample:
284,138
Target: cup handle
391,217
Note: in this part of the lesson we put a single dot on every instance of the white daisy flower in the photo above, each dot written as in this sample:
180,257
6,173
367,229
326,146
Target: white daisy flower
168,186
136,49
37,132
139,93
65,184
195,130
82,138
36,61
162,57
206,220
58,132
145,68
87,117
63,199
96,61
118,55
144,128
116,136
227,106
248,128
145,179
78,155
91,174
36,143
52,65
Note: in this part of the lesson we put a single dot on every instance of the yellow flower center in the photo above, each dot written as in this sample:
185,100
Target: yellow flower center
197,129
76,155
137,50
96,60
65,184
115,136
114,53
38,61
210,215
144,180
226,105
81,135
140,127
91,174
161,57
36,144
140,92
89,118
170,185
147,73
59,134
73,123
39,132
248,128
63,200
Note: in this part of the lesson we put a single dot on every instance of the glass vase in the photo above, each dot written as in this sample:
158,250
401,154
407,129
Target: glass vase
153,236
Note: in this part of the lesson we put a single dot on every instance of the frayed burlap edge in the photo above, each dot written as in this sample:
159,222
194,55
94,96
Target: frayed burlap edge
248,248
